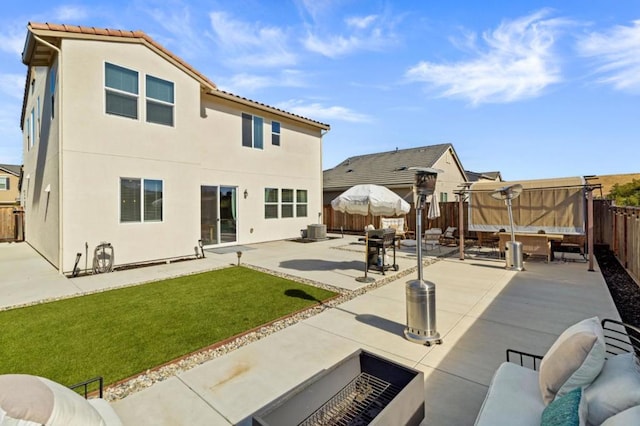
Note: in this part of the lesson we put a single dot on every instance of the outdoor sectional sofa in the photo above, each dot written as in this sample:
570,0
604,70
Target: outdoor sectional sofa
27,400
589,376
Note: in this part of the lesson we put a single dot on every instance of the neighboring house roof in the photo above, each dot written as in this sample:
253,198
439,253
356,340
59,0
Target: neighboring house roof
11,169
390,168
478,176
39,54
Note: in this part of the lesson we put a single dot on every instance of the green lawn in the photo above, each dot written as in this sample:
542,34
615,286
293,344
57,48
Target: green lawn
119,333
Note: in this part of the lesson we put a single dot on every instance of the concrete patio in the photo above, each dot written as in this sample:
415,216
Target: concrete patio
482,310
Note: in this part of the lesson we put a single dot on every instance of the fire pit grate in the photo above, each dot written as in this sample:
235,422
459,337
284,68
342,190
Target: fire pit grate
358,403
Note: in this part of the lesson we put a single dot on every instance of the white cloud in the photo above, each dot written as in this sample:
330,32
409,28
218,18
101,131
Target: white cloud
12,85
367,33
316,8
361,22
182,39
618,51
517,62
245,83
69,14
13,42
320,112
252,44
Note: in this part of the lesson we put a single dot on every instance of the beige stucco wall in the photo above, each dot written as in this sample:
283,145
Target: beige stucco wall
449,181
203,148
40,187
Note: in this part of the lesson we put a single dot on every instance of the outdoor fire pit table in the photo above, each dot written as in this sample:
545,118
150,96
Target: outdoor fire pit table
362,389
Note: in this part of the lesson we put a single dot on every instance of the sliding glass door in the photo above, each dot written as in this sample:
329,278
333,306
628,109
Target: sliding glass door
218,214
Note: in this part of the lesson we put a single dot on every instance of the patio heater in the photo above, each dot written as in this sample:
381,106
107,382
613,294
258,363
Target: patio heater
421,294
513,248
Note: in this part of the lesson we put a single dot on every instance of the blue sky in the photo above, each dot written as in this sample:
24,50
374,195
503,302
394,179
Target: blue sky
531,89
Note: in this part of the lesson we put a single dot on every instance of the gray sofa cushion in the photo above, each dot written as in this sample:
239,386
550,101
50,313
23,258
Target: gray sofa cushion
513,394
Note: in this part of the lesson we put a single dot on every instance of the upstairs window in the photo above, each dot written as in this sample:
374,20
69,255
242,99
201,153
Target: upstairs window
52,89
275,133
252,128
271,203
4,183
32,129
160,101
121,88
27,129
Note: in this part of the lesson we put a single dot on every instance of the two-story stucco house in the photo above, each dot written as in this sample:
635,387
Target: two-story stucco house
126,143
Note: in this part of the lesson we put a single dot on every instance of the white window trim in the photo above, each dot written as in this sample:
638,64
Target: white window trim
253,130
6,184
291,203
279,133
299,203
141,201
273,203
122,92
32,127
157,101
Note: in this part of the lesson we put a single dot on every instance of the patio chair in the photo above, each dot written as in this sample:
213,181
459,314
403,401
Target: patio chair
432,238
449,237
395,223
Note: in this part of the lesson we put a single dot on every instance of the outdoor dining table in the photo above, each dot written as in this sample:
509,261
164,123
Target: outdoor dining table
532,243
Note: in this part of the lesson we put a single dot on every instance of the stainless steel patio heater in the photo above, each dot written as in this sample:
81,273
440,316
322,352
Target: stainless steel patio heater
513,248
421,294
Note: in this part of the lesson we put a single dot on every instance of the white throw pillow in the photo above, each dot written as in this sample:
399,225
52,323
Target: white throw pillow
630,416
616,389
573,361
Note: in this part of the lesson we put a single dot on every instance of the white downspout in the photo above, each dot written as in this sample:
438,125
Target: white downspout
60,182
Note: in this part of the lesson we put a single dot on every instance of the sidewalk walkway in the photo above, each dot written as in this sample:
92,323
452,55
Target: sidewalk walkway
482,309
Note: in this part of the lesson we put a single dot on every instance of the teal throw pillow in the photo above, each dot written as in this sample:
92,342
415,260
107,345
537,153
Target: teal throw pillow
567,410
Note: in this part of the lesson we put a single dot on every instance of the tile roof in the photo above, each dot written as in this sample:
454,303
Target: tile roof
384,168
77,31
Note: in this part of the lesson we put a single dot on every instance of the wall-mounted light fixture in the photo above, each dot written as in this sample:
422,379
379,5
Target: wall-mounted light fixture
246,193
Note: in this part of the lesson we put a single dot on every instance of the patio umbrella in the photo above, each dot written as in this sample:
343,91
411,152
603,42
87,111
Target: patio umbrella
434,207
375,199
367,198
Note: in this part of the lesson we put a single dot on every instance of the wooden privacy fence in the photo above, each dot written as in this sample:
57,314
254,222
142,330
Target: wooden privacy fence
619,228
11,223
350,223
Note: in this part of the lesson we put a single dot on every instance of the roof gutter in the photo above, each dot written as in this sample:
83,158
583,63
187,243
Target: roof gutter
60,169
